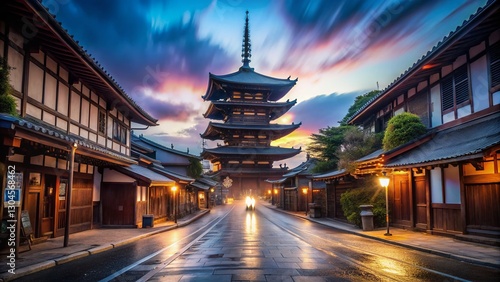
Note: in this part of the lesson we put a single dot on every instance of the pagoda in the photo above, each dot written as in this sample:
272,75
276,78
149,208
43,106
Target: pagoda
242,106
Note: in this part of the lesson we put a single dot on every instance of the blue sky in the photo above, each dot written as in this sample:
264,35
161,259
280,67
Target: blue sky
161,52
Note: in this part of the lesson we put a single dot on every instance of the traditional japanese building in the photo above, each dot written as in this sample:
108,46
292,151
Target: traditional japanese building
71,125
243,105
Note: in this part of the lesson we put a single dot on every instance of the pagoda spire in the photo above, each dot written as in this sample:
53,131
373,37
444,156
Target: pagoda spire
246,50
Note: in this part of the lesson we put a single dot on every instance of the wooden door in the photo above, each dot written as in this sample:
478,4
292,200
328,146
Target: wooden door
48,206
32,206
118,203
420,202
401,201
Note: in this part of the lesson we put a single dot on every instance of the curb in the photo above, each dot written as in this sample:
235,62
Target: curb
74,256
416,248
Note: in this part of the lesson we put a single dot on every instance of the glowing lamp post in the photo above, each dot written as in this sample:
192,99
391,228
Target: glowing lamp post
384,182
174,189
304,190
275,193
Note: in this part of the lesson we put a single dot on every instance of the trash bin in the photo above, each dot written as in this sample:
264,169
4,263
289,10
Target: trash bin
367,217
147,220
314,210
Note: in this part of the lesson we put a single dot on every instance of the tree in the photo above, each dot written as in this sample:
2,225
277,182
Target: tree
324,146
194,169
7,102
359,102
356,145
401,129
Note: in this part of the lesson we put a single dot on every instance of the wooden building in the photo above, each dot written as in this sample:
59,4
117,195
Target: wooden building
447,181
336,183
246,103
295,189
73,121
193,194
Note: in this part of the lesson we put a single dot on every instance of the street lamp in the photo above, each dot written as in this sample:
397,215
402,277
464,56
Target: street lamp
304,190
212,200
275,193
174,189
384,182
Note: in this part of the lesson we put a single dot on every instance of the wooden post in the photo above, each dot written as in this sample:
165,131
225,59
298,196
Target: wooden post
68,194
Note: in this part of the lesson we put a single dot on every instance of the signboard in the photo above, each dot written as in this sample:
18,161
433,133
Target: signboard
26,223
228,182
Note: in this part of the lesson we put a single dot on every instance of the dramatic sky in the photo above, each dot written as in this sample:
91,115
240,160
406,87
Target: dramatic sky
161,52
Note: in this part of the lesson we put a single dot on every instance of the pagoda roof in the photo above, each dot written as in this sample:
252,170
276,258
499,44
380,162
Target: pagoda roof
219,109
247,78
275,153
279,130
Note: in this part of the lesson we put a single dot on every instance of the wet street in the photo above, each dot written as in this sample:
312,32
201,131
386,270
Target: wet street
232,244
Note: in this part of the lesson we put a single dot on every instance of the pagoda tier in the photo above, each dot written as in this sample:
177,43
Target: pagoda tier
247,134
248,154
235,111
246,84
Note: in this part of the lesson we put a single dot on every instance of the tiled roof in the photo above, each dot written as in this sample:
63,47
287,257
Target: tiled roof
154,178
218,109
330,174
247,76
249,79
304,168
214,130
139,138
199,185
372,156
207,181
173,175
234,150
449,145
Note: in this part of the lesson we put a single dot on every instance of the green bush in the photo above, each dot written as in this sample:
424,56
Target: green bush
7,102
401,129
368,195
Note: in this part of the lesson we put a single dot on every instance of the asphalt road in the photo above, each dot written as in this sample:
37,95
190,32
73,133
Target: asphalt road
231,244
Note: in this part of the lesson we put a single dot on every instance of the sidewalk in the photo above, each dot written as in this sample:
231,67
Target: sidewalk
475,253
51,253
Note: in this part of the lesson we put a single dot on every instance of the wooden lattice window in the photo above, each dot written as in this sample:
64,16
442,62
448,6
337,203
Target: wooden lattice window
455,89
495,65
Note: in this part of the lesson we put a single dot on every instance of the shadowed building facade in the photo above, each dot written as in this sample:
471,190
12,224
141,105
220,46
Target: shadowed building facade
242,106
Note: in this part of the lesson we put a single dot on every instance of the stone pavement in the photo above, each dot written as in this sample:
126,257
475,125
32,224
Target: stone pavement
52,252
478,252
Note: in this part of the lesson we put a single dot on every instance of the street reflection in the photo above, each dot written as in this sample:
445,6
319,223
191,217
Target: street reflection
389,266
251,224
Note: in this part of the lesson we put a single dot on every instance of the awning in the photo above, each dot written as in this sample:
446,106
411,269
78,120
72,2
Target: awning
199,185
464,142
329,175
147,175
